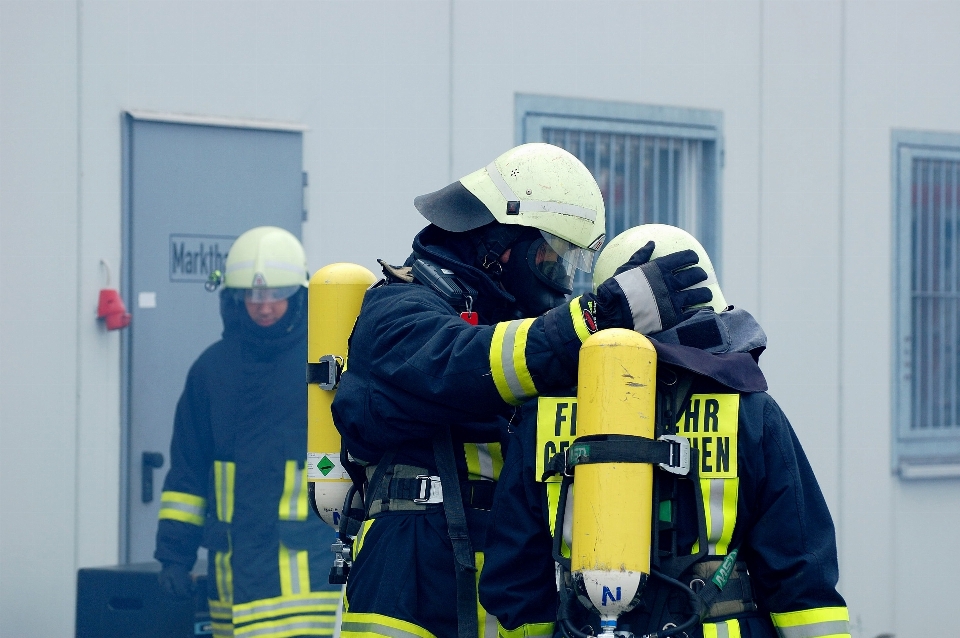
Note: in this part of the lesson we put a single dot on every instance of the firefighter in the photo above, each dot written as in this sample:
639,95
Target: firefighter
750,496
236,483
444,351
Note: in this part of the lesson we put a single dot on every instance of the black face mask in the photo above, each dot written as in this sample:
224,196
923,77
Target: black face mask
525,280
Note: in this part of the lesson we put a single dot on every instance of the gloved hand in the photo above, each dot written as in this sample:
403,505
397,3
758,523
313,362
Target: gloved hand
650,296
175,580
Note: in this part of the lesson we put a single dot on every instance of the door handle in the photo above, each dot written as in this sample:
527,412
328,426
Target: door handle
150,461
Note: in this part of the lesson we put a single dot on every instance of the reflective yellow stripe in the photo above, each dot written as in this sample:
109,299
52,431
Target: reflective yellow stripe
723,629
223,476
362,535
508,361
303,625
822,622
181,506
484,460
293,501
486,623
310,602
378,626
294,571
553,503
222,630
533,630
576,314
224,573
720,497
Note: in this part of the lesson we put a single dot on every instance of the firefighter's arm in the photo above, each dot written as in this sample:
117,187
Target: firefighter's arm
428,352
183,500
792,545
517,582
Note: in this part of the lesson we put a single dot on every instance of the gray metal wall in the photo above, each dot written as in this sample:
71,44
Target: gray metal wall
401,97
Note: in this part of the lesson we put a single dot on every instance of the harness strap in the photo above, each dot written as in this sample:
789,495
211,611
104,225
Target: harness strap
459,536
672,453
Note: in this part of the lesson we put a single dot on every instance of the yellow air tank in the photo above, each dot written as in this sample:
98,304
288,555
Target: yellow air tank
612,505
335,295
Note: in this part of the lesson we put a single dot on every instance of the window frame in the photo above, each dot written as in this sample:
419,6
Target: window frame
533,113
929,453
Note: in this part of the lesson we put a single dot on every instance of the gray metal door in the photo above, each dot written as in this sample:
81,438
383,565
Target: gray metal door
191,186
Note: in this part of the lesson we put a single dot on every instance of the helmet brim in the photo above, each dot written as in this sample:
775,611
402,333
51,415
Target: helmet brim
454,209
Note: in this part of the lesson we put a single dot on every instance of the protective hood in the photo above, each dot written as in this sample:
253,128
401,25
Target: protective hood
265,343
724,347
455,251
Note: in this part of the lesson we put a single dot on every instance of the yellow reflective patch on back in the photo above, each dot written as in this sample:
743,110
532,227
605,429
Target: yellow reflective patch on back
556,429
710,422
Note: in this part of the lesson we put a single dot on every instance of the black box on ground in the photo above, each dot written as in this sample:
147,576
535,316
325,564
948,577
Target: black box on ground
125,601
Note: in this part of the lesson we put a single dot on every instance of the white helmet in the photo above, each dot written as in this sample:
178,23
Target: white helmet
267,261
667,240
533,185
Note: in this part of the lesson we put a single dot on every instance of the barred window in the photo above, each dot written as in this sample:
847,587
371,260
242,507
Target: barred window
653,164
927,301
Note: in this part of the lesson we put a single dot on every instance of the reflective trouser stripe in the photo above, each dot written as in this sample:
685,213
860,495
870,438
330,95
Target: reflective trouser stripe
293,502
317,602
305,625
822,622
362,536
533,630
181,506
224,572
508,361
723,629
579,325
378,626
484,460
223,475
294,571
221,615
487,624
720,508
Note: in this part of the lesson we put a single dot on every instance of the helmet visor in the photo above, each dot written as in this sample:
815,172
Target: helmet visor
547,265
264,295
573,257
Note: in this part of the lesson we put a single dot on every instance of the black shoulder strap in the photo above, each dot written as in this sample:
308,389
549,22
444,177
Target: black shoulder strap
459,535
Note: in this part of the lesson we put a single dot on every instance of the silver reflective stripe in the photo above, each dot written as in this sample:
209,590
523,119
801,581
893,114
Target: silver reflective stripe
716,515
642,302
491,627
486,461
295,491
278,607
182,507
533,205
240,264
813,630
722,630
506,357
376,629
274,628
295,586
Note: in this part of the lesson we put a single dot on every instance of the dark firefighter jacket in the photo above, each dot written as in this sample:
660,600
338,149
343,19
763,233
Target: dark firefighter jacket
768,506
237,485
416,366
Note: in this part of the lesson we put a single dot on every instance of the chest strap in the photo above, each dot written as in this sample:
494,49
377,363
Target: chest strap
411,488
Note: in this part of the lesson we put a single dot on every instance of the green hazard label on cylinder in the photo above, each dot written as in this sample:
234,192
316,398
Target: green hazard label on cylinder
325,465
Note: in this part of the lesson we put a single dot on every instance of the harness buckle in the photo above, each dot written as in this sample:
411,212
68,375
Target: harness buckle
679,454
430,490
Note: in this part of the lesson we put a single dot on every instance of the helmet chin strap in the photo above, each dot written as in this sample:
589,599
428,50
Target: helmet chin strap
491,242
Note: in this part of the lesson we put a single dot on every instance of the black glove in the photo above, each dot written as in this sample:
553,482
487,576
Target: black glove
650,296
175,580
